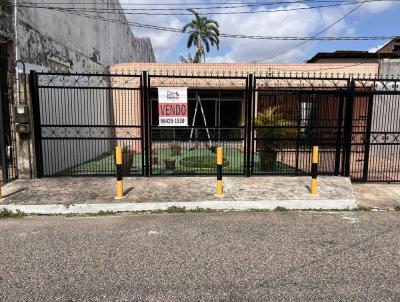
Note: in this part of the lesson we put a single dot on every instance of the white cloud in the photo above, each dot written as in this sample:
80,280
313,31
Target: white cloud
378,7
289,23
376,48
164,42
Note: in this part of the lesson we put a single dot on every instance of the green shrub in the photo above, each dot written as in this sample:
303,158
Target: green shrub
4,213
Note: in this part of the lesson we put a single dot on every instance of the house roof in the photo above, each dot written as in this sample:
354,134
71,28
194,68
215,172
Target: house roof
243,69
392,46
349,54
218,75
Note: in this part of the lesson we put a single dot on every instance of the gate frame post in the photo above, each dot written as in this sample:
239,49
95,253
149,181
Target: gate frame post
348,127
37,131
250,81
145,124
3,150
368,134
339,140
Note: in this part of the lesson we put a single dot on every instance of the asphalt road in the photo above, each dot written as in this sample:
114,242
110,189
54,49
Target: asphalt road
290,256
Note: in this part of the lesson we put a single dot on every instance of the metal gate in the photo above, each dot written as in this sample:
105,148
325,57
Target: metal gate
80,118
375,141
8,159
219,120
267,125
291,115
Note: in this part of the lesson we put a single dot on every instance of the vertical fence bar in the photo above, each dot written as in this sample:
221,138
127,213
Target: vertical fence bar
248,131
3,150
145,124
37,131
244,131
298,135
339,142
367,137
149,150
253,114
249,123
348,129
143,82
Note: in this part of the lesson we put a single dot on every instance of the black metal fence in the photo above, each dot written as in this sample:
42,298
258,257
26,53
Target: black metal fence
267,125
8,159
80,118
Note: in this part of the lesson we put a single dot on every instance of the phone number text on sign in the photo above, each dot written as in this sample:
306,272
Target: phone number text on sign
172,121
172,106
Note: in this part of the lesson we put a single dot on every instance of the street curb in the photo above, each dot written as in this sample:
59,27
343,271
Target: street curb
54,209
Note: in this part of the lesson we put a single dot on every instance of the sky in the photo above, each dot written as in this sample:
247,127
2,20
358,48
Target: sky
371,19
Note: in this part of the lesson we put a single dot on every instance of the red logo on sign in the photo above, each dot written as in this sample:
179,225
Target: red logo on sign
172,94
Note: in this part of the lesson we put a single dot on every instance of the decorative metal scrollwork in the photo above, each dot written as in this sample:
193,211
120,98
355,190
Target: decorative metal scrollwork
90,132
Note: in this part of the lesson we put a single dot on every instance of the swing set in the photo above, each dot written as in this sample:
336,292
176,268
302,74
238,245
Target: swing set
193,146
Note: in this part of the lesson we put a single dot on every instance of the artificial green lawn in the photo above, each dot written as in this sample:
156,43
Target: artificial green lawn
233,163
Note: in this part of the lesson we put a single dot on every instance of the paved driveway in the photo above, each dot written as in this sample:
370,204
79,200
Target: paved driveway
288,256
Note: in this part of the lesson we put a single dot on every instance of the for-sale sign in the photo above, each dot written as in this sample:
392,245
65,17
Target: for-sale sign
172,106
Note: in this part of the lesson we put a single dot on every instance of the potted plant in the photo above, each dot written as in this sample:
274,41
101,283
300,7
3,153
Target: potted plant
169,163
175,148
154,157
127,160
271,130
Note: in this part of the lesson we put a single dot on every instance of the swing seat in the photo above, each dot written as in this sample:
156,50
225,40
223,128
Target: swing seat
193,146
213,149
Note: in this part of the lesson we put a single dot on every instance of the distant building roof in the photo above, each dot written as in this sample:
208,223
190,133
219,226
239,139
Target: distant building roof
349,54
391,47
389,50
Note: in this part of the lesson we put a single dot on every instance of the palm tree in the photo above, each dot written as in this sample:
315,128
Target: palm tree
202,31
189,59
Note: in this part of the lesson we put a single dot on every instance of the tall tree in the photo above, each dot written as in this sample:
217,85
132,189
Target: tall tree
189,59
203,32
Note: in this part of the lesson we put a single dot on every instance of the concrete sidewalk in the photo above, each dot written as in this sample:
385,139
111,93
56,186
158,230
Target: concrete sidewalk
88,195
377,195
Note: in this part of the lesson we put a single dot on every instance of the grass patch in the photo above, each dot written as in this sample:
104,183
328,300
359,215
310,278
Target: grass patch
280,209
259,210
361,208
202,210
175,209
397,209
158,211
4,213
103,213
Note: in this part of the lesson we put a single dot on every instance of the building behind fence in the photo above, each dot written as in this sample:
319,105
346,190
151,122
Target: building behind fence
346,109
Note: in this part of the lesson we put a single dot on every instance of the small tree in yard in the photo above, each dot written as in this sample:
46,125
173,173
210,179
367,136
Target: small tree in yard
271,129
203,32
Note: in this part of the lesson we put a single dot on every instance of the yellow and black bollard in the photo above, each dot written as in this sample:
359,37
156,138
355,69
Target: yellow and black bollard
314,170
120,182
220,190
